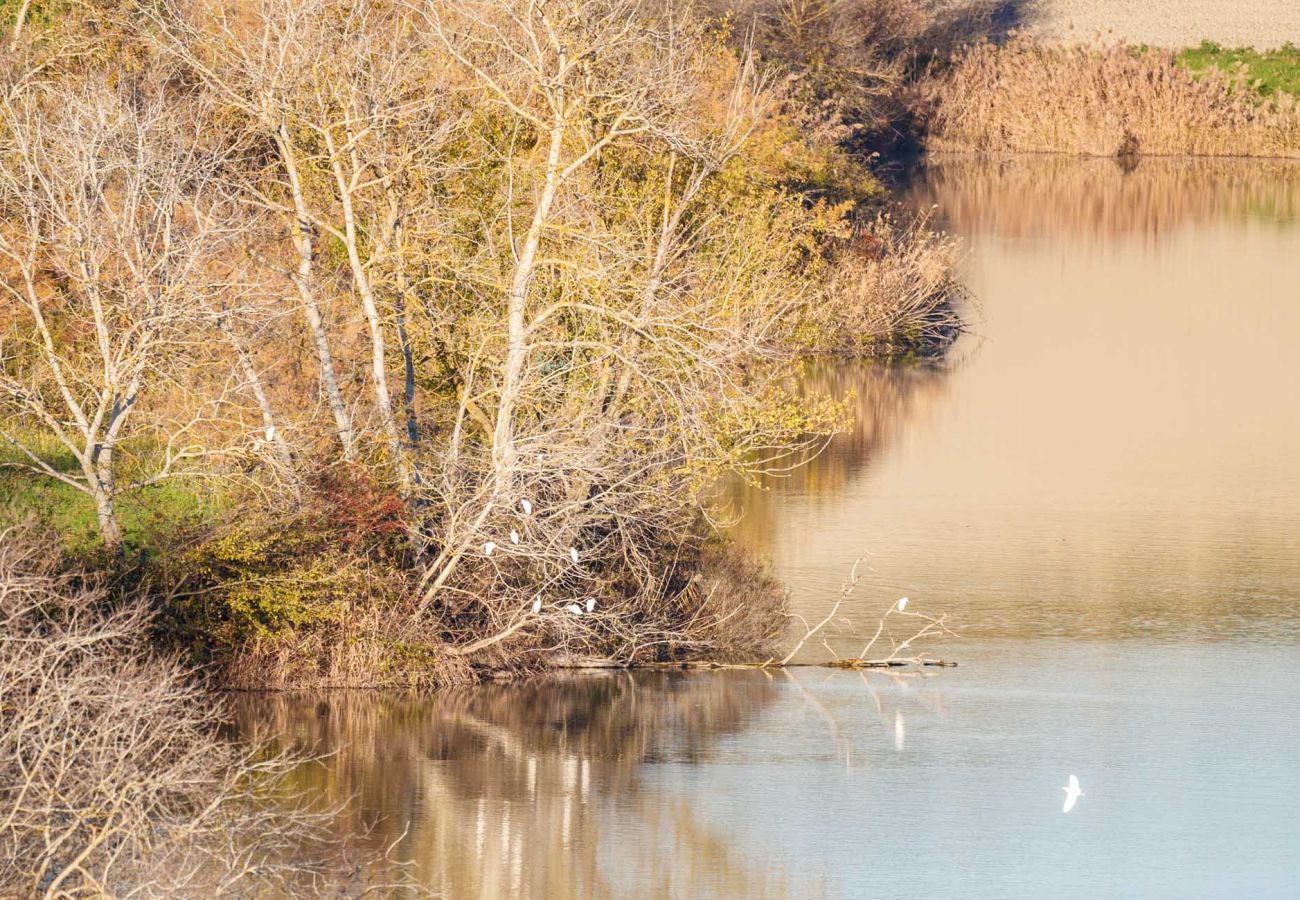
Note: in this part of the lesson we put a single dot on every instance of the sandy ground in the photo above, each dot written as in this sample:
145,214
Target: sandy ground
1168,23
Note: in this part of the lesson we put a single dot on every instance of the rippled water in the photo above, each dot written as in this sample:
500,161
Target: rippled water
1101,488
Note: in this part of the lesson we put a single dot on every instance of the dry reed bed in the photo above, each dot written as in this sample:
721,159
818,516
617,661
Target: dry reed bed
1023,97
893,294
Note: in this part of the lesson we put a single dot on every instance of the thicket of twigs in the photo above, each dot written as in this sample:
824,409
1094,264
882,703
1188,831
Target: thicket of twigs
1109,100
113,778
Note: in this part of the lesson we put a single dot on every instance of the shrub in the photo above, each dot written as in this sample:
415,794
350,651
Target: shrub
113,778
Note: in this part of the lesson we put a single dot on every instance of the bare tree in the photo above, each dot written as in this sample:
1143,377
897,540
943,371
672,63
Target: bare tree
349,94
622,304
104,263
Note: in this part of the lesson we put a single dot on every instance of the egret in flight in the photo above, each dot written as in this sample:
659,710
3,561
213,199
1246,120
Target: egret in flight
1072,793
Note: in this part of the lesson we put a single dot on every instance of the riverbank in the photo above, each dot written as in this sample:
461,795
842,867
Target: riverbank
1110,100
448,391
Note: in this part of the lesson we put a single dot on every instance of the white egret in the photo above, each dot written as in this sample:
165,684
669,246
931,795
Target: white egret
537,604
591,604
573,553
1072,793
514,536
902,604
526,506
489,547
574,608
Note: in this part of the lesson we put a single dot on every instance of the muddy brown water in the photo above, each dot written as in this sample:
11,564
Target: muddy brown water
1101,488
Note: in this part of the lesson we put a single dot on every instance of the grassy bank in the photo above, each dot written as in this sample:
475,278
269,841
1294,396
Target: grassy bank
1267,72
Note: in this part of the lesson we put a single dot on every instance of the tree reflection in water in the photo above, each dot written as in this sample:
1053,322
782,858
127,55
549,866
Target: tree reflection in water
527,790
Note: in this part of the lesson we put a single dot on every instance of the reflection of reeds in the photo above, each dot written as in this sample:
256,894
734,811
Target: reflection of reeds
507,790
1062,197
1022,97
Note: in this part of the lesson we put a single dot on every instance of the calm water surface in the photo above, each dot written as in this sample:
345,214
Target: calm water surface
1101,488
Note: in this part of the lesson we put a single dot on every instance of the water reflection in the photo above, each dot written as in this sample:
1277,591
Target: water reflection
881,399
1096,200
1104,491
1118,453
526,790
819,783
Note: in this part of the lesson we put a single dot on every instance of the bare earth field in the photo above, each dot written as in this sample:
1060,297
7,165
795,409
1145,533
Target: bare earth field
1262,24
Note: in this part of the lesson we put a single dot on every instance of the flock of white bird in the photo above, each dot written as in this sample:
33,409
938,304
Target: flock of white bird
490,547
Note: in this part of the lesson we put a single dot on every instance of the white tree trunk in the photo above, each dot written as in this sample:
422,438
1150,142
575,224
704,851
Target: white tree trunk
301,234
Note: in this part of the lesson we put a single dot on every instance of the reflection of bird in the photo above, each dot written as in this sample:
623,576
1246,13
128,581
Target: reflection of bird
1072,793
574,608
537,605
902,604
526,506
489,547
573,553
591,604
899,730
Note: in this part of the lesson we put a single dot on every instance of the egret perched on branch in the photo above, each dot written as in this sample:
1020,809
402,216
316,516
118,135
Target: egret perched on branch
489,547
574,608
902,604
591,604
526,506
537,604
514,536
573,553
1072,793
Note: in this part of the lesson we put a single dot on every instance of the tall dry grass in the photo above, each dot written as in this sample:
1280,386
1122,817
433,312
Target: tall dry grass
893,291
1023,97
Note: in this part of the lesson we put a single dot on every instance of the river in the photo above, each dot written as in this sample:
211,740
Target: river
1099,487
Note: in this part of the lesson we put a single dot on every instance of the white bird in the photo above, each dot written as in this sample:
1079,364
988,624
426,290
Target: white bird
537,604
526,506
591,604
489,547
1072,793
574,608
900,731
514,536
573,553
902,604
